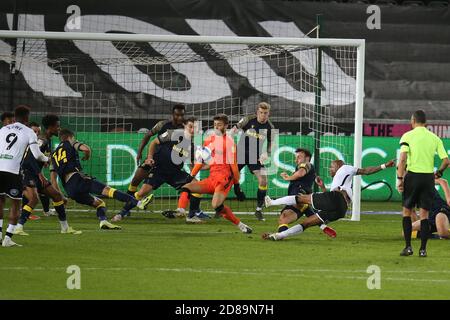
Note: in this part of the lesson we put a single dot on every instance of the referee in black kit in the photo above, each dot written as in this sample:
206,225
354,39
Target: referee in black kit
417,150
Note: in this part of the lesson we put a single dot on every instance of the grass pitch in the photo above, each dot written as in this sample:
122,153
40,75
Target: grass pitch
156,258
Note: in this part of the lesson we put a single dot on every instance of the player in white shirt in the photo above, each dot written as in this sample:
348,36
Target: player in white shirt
15,138
330,205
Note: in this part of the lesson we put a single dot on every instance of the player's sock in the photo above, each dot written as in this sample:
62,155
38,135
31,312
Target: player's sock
283,227
10,230
130,201
424,233
121,196
101,211
194,205
136,196
131,189
26,212
260,195
183,200
407,230
288,200
64,224
45,203
60,209
226,212
299,228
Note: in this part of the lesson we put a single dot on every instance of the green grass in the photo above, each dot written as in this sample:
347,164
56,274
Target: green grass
156,258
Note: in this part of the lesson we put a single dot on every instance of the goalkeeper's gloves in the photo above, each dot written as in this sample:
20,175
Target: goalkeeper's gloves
240,195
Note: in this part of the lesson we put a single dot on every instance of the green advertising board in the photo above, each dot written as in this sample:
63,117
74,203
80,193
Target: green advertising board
114,154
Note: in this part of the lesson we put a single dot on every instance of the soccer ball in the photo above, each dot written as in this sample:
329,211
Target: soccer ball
202,154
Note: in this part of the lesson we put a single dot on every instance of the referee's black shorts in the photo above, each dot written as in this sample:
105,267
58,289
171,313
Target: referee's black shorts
418,190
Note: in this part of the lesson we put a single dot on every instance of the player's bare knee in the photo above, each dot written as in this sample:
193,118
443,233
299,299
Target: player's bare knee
262,180
32,200
283,219
216,204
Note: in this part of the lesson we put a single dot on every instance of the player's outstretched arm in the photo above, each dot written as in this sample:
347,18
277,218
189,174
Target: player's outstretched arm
83,148
197,167
375,169
151,151
37,154
142,145
444,185
147,137
444,165
321,184
301,172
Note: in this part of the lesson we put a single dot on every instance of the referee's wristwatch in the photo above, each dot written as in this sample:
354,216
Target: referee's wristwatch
399,178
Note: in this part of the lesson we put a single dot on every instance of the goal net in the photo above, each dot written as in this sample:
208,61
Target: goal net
111,88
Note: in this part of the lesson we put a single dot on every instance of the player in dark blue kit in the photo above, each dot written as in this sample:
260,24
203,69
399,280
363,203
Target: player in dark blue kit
256,129
301,181
439,214
144,169
166,157
79,186
35,183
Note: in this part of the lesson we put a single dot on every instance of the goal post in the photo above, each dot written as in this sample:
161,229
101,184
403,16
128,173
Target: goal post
276,68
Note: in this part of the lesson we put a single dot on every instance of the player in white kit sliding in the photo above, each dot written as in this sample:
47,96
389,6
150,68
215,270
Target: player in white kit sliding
15,139
331,205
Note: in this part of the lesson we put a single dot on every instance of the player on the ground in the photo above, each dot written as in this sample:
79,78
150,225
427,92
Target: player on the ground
79,186
15,138
256,129
330,205
143,169
439,214
35,183
223,173
7,118
301,181
166,157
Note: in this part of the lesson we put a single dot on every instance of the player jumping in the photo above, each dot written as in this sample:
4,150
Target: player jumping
223,173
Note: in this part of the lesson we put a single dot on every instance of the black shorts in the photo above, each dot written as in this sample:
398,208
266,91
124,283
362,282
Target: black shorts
418,190
30,179
11,185
331,206
174,177
79,188
251,167
299,212
432,217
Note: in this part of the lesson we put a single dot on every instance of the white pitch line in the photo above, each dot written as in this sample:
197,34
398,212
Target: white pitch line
306,273
270,213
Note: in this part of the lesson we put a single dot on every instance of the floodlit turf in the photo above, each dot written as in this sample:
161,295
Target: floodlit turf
156,258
